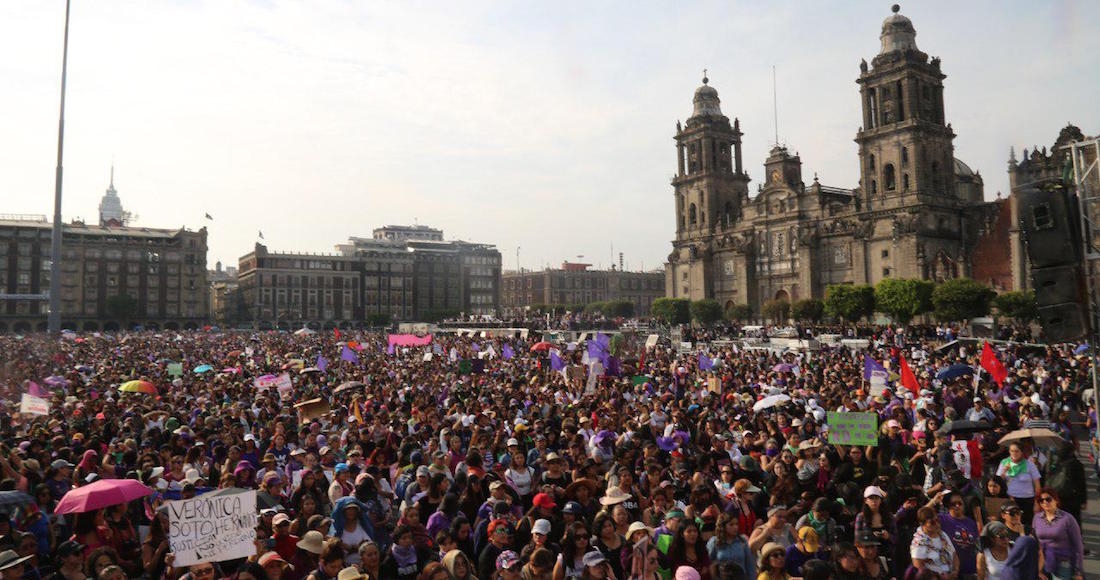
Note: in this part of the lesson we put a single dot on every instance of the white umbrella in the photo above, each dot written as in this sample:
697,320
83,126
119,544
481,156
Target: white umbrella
769,402
304,332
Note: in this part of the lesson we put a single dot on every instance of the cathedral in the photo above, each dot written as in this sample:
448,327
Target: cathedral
917,212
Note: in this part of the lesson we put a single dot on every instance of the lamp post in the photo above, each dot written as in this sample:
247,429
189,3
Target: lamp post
53,319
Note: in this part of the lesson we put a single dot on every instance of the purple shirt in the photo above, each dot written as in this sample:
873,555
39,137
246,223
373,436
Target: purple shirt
1060,540
964,536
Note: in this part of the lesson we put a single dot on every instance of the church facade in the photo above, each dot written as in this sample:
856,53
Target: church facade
916,213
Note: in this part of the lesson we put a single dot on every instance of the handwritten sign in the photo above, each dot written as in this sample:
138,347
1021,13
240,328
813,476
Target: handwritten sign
32,405
281,382
853,428
213,527
175,369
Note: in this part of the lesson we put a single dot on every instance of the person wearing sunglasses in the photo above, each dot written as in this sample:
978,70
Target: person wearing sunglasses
1059,538
962,530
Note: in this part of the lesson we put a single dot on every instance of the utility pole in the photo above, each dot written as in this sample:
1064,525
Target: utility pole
53,319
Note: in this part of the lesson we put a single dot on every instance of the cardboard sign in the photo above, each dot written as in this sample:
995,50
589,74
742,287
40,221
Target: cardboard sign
853,428
313,408
282,383
175,369
213,527
32,405
651,341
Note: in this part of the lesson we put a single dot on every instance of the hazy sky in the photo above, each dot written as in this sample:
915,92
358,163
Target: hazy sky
546,125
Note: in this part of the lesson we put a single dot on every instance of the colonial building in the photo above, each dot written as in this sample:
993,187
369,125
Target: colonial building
916,212
574,284
162,271
400,273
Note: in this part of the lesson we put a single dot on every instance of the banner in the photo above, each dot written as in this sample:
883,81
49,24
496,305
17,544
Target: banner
281,382
409,340
175,369
853,428
213,527
32,405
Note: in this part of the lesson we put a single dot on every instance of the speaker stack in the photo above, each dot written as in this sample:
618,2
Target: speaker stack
1051,226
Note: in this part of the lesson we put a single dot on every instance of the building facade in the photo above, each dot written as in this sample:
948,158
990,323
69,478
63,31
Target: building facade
575,284
162,271
401,273
916,212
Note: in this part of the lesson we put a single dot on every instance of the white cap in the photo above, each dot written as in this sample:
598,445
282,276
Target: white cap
541,526
513,441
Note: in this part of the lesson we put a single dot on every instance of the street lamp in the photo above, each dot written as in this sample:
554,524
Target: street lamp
53,318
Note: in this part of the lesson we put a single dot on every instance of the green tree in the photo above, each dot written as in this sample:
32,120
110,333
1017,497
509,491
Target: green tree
378,319
436,315
961,299
672,310
123,307
620,309
848,302
777,310
903,300
1018,305
739,312
706,311
808,310
594,307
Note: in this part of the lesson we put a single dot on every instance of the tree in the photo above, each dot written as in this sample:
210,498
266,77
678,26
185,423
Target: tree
739,312
706,311
902,300
777,310
961,299
1019,305
594,307
848,302
123,307
620,309
436,315
672,310
808,310
378,319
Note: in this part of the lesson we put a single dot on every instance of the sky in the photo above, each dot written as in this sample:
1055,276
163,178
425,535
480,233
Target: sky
546,127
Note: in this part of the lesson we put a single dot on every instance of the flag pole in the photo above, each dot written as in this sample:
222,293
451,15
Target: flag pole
53,317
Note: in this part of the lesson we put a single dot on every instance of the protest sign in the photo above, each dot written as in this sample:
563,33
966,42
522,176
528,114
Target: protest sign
175,369
313,408
281,382
213,527
32,405
852,428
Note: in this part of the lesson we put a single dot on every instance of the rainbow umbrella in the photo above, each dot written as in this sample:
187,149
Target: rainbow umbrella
138,387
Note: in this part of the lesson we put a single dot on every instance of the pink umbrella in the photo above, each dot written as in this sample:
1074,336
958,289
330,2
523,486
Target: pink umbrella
101,494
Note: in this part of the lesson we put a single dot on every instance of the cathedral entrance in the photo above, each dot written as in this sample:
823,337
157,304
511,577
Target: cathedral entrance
783,295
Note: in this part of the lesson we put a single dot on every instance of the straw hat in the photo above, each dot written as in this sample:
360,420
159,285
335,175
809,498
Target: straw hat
312,542
766,552
614,496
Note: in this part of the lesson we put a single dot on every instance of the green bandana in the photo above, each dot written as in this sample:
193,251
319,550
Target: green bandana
1013,469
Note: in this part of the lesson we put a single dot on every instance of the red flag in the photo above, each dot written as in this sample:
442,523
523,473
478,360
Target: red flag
908,379
992,365
336,331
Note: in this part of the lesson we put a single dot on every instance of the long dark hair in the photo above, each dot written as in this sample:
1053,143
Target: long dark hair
677,549
569,543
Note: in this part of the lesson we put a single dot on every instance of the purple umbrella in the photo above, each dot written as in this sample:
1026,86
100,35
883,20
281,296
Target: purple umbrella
56,381
603,438
783,367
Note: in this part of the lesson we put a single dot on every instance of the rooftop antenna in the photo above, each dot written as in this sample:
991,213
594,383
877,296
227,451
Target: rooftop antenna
775,107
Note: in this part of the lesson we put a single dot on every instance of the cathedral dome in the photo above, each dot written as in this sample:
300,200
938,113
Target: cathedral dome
706,100
898,33
962,169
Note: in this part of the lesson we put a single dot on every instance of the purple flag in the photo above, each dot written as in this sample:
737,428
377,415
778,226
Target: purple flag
476,347
349,355
556,363
507,352
598,351
391,350
34,390
322,363
871,366
614,367
705,363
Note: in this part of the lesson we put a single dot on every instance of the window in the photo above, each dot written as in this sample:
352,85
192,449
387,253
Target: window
905,182
886,253
888,177
905,156
871,162
691,214
874,186
886,272
24,278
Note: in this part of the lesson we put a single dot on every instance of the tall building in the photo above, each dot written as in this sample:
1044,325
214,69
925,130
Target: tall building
162,271
574,284
110,207
916,212
401,273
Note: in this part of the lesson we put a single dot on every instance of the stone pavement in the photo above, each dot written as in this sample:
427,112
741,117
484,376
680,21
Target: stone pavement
1090,525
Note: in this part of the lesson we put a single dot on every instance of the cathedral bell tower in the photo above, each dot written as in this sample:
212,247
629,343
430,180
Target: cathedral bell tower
905,146
710,189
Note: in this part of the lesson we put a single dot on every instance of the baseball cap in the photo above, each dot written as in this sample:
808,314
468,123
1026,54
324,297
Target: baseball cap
594,558
542,526
280,519
572,507
507,560
270,557
69,547
496,485
513,441
543,500
873,490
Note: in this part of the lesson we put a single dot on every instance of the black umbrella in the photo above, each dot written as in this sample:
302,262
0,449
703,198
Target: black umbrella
964,427
14,499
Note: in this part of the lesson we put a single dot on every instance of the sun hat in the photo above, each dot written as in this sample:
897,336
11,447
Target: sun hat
270,557
594,558
351,573
638,527
614,496
10,559
767,551
312,542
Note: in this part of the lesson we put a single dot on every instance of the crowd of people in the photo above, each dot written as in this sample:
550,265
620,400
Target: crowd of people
498,458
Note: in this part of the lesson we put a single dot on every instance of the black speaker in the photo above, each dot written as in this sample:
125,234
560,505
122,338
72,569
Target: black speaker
1063,322
1056,284
1050,223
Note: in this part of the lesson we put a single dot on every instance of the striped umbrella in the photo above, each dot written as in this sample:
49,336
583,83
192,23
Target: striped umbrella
138,387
